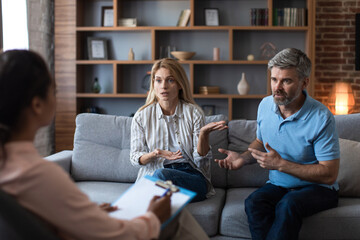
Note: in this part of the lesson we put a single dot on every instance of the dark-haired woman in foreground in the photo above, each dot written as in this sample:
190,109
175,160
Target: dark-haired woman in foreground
27,102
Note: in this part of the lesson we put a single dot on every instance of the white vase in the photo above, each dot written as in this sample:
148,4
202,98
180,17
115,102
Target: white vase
243,87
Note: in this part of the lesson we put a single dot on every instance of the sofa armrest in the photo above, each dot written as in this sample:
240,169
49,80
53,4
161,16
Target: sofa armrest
62,158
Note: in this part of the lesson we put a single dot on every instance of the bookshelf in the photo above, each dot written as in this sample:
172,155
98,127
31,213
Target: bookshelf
121,79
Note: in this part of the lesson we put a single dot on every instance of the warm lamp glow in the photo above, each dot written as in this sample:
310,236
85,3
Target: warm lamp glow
341,99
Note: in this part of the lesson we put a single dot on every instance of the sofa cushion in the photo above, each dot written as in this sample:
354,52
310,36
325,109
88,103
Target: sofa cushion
234,221
102,149
103,192
241,134
208,212
349,177
348,126
341,222
217,139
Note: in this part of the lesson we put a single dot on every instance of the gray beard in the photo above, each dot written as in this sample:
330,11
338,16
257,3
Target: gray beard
287,100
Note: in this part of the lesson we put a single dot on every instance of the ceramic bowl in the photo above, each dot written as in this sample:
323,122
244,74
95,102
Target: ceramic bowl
182,55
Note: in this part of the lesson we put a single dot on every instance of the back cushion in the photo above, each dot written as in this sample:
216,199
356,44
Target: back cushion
349,176
102,149
241,134
217,139
348,126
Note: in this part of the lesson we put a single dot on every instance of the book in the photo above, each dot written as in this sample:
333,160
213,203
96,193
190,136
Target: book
259,17
135,201
184,18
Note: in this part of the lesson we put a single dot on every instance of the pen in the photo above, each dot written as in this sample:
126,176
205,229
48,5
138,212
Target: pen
166,192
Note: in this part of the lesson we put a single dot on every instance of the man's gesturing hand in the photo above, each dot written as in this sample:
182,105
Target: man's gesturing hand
270,160
232,161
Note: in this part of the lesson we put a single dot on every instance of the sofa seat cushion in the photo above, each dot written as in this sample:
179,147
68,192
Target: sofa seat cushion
337,223
103,192
233,221
208,212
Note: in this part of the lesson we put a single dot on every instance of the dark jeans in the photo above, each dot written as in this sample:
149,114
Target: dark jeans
276,213
184,175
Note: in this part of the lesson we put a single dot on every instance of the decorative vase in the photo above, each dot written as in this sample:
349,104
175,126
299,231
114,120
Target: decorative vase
216,54
131,55
243,87
96,88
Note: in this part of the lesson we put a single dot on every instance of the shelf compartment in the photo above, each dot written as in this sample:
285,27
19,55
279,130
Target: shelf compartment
130,78
245,108
165,13
233,13
85,75
89,11
228,76
153,13
113,106
255,40
118,44
201,42
289,4
220,105
110,95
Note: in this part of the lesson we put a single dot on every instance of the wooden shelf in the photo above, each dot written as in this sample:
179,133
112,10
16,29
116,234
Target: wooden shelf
77,20
110,95
89,62
194,28
233,96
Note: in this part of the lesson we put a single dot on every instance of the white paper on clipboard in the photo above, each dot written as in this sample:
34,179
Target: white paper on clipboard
135,201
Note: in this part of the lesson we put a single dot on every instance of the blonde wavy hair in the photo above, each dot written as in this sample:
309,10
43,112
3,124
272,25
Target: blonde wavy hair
177,71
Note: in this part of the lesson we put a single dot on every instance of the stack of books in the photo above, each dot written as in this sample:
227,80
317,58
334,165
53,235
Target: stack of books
259,16
209,90
289,17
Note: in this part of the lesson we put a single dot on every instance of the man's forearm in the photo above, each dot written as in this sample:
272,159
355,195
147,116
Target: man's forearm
248,158
324,172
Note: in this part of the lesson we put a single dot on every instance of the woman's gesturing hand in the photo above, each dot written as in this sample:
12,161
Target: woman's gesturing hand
208,128
168,154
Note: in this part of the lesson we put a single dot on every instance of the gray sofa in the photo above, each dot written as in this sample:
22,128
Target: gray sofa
100,166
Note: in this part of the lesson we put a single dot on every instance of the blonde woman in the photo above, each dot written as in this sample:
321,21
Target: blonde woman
169,138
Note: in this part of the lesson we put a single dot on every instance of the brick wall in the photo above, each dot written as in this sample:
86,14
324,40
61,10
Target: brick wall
335,47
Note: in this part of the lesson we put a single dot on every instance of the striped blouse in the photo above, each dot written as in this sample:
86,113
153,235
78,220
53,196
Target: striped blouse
149,132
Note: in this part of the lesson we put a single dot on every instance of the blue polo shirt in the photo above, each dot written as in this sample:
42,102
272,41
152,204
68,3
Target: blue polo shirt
306,137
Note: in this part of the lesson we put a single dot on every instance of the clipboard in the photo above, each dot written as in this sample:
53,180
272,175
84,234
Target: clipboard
135,201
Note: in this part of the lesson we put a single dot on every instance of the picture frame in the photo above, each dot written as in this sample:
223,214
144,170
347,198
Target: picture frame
211,16
107,16
97,48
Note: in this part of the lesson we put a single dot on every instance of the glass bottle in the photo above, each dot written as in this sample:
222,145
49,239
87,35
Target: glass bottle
96,88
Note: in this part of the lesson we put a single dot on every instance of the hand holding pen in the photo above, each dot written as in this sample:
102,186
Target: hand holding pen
161,205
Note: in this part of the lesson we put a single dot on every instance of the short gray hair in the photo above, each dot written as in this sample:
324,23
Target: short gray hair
292,57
